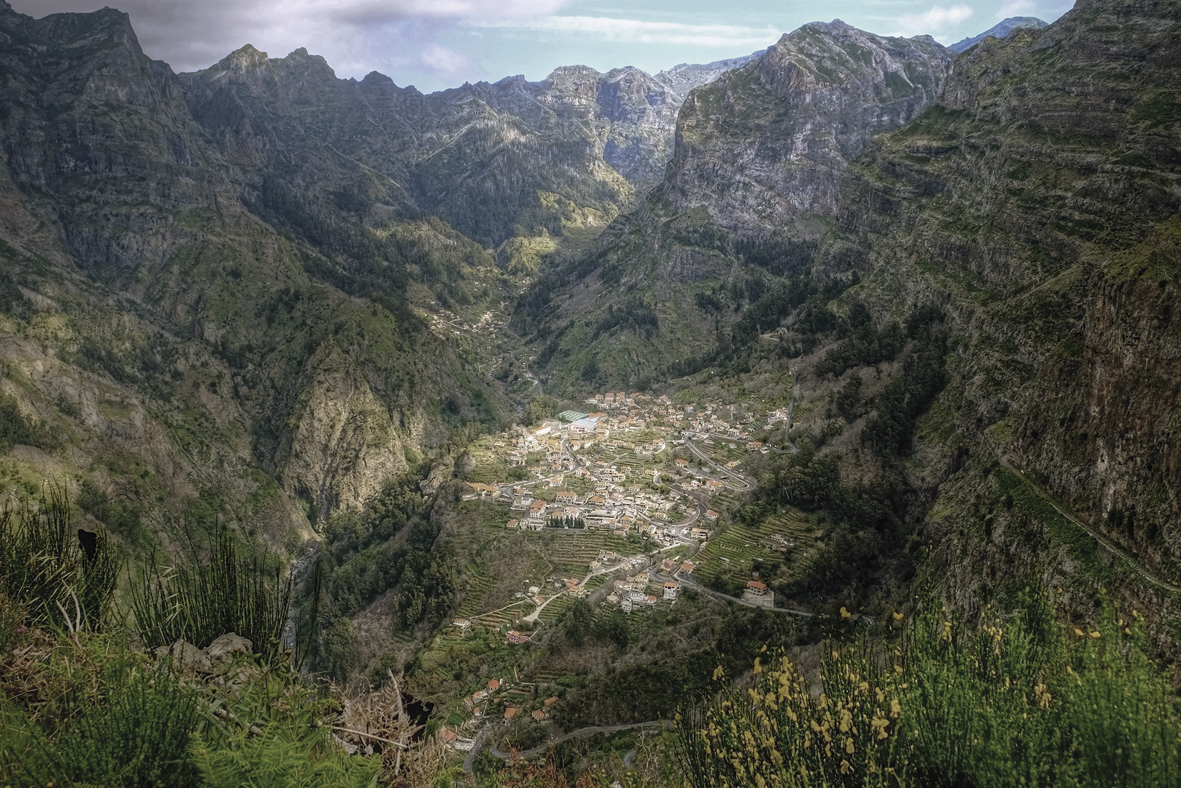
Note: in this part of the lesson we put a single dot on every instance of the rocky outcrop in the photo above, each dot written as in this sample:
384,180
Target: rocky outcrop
767,145
1038,201
343,444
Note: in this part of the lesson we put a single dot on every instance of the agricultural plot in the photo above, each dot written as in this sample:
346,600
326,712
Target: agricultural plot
489,465
742,545
554,610
571,552
728,501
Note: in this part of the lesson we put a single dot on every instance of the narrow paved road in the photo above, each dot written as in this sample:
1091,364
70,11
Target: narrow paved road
1136,566
475,750
683,580
746,485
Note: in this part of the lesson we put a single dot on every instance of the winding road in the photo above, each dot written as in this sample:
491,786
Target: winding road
1136,566
746,485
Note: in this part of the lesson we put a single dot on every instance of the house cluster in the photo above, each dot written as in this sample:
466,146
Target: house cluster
632,593
497,702
573,488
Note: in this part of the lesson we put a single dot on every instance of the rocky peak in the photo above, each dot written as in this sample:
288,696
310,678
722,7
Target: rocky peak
1000,30
243,61
766,143
377,78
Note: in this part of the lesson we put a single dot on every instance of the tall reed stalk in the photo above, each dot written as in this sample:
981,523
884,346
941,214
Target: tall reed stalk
200,602
43,565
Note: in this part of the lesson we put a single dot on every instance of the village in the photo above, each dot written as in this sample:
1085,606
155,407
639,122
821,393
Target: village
613,469
658,480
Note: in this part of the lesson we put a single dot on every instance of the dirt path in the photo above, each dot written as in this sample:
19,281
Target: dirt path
539,749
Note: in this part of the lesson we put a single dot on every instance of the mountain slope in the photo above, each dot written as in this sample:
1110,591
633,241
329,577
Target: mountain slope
753,183
494,160
200,304
1039,202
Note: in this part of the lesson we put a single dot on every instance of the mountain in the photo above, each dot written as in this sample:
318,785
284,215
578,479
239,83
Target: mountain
207,325
493,160
756,173
1000,30
1038,203
683,78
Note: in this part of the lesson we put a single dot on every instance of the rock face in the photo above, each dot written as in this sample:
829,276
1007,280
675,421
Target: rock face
1039,201
760,159
193,261
766,145
481,156
343,444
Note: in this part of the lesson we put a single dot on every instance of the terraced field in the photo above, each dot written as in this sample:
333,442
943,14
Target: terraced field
554,610
728,501
742,545
571,552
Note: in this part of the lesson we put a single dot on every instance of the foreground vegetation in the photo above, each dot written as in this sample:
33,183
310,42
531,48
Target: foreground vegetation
82,702
1016,699
1013,698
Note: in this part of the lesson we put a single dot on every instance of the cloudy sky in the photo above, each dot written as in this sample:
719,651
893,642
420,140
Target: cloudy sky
434,44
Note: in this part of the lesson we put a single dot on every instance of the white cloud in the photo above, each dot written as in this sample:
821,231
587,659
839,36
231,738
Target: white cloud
1010,8
933,22
191,34
631,31
446,63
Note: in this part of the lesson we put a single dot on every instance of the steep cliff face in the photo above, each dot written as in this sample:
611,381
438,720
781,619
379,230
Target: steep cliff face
766,145
755,180
342,444
1039,201
189,277
481,156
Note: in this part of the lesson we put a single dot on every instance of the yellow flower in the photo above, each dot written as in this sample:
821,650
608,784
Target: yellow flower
846,767
897,616
718,672
845,613
849,745
1096,635
895,709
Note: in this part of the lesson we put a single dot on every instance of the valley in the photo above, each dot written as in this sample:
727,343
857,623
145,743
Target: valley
605,419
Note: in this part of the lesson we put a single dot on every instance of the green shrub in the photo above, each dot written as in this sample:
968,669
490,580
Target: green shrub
274,736
1018,700
201,602
43,565
111,723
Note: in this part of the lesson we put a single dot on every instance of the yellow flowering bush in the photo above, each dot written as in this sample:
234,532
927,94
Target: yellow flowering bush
784,732
1011,700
